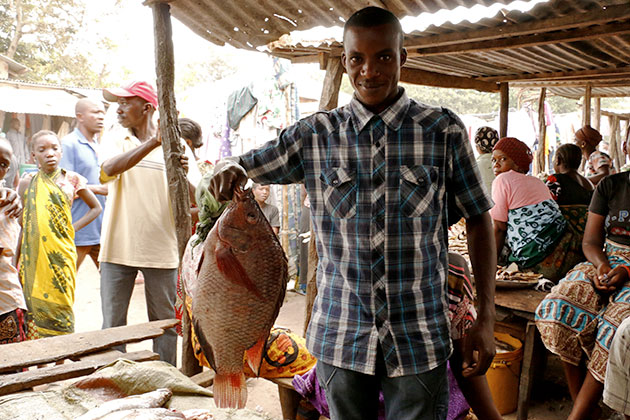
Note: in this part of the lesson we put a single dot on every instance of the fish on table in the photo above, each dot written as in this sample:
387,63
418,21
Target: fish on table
240,287
151,399
145,414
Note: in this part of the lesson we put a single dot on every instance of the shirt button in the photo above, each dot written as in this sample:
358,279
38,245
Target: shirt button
335,182
377,144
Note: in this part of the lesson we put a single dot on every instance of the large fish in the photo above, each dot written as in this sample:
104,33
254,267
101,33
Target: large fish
240,288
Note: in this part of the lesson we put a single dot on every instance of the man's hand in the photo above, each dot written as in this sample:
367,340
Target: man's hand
479,348
227,175
10,202
183,160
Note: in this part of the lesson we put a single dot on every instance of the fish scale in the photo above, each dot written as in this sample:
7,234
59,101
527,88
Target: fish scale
240,288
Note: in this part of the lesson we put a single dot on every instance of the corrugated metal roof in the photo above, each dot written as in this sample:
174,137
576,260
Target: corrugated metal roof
253,23
569,42
31,98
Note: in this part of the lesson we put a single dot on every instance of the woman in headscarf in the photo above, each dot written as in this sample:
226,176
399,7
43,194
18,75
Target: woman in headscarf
597,164
525,214
485,139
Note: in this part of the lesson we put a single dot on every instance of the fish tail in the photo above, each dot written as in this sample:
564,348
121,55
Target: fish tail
230,391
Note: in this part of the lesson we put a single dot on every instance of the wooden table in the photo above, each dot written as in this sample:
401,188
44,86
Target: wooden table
522,303
74,355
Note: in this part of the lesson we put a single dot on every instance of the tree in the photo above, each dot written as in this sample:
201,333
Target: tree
39,34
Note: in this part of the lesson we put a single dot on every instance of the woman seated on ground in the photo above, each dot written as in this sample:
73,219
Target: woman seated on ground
580,315
567,186
597,165
538,235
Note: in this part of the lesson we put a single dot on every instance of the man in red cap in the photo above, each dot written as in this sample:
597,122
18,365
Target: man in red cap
138,231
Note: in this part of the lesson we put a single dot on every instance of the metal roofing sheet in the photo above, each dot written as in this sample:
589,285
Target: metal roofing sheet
572,43
252,23
31,98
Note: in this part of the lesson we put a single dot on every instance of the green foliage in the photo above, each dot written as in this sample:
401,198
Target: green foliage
207,70
40,33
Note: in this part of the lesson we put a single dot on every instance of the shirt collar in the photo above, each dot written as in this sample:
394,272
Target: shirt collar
392,116
80,135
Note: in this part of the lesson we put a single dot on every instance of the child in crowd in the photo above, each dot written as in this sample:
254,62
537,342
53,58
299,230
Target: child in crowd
12,304
537,233
48,256
271,212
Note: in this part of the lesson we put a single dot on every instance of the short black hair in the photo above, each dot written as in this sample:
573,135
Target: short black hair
191,130
373,16
570,155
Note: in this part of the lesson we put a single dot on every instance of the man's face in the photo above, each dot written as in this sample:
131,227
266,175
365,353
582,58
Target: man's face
132,111
373,58
92,117
261,193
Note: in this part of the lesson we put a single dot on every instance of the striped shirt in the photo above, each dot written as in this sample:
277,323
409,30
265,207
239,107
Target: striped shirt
381,187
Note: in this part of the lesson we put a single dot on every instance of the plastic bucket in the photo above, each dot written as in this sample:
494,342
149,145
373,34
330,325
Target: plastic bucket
504,373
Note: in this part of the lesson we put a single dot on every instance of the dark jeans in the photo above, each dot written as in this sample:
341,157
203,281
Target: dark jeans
354,396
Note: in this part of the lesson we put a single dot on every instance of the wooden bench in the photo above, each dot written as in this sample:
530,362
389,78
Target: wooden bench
75,354
522,304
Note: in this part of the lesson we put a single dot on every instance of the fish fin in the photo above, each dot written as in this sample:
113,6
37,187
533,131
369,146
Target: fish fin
232,269
206,348
255,355
230,391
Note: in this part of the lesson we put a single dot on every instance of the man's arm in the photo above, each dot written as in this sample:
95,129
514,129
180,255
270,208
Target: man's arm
127,160
99,189
483,257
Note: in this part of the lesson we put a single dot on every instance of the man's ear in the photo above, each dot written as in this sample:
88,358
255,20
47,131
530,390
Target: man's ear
403,56
343,60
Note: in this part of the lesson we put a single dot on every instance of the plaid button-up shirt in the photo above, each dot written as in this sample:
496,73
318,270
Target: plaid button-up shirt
381,187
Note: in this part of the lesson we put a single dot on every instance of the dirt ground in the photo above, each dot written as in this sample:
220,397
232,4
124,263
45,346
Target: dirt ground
550,400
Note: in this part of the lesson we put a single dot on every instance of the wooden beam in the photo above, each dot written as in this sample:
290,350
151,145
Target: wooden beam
541,158
614,148
610,14
586,106
173,149
53,349
427,78
580,34
610,72
504,109
332,83
576,83
598,114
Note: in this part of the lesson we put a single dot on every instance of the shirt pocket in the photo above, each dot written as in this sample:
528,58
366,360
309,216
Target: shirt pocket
339,192
418,190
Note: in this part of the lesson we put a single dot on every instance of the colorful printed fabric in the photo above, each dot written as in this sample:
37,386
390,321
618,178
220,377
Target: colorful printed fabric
575,319
49,258
567,253
460,295
12,327
596,161
533,230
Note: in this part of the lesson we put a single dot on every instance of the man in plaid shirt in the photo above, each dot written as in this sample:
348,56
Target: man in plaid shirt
383,174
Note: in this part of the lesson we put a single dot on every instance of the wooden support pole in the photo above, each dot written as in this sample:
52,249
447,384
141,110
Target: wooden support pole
504,90
598,113
586,106
615,146
332,82
329,100
173,149
541,152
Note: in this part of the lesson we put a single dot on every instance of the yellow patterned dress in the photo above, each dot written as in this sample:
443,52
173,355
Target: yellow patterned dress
48,257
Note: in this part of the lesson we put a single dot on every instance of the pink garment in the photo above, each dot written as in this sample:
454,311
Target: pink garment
513,190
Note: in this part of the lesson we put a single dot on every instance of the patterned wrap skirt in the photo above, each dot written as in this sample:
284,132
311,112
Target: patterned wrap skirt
576,320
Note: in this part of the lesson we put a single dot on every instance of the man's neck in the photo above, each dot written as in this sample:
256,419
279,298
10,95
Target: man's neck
144,131
89,136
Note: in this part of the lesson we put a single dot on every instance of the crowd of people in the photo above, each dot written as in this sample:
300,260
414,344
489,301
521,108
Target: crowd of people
385,176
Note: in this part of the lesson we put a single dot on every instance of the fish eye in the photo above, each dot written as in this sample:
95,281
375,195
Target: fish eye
251,218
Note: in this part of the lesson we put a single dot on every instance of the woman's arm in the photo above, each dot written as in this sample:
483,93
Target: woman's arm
607,279
95,209
500,229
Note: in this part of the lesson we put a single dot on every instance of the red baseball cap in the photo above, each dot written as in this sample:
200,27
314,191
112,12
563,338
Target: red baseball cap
141,89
